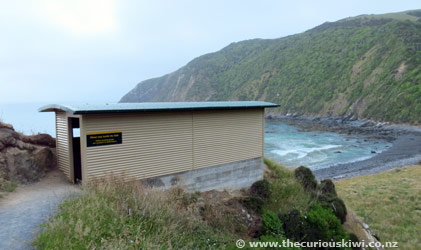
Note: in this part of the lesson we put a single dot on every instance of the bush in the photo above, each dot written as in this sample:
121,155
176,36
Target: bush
296,227
317,224
328,187
306,178
271,223
334,203
254,203
261,189
326,223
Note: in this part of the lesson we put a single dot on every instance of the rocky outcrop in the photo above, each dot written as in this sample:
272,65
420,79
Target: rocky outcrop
25,159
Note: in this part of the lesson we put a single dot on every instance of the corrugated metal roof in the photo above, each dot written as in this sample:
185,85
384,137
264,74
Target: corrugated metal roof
153,106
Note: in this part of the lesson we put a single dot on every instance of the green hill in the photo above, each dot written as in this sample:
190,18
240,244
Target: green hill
367,66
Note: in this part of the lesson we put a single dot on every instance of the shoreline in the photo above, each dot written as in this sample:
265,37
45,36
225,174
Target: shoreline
405,149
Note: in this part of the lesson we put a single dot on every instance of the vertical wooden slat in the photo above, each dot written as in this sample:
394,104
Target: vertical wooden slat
153,144
62,134
227,136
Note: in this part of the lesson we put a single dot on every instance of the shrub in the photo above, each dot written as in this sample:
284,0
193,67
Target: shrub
328,187
326,223
317,224
296,227
334,203
271,223
254,203
261,189
306,178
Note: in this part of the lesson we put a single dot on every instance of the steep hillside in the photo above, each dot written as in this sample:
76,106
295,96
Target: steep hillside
368,66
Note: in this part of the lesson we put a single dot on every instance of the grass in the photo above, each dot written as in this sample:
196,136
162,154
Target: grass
123,215
6,185
287,193
116,214
389,202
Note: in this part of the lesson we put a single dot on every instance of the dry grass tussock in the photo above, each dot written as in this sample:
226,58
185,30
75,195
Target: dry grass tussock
116,214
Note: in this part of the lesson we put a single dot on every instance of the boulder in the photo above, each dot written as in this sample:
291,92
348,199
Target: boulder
8,138
5,125
23,166
46,157
25,159
41,140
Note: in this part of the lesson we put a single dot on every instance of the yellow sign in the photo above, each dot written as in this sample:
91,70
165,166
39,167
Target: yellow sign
104,138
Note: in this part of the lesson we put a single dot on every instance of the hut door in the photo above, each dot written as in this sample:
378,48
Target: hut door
77,162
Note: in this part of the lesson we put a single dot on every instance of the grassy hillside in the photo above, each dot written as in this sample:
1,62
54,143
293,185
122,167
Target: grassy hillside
390,202
115,214
368,66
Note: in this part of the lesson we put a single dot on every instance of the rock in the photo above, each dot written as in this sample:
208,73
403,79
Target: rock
24,146
5,125
20,167
23,166
7,138
368,124
373,152
25,159
46,157
40,139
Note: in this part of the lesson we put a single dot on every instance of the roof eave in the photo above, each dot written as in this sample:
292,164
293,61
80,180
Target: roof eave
75,111
55,108
85,112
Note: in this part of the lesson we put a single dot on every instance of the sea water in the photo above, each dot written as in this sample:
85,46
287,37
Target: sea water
291,147
283,143
26,119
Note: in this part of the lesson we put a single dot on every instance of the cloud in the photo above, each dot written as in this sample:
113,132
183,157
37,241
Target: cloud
80,17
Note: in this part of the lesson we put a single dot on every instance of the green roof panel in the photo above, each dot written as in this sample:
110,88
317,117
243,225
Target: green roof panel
153,106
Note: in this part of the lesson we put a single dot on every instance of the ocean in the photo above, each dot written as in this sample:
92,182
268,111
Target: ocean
293,148
283,143
26,119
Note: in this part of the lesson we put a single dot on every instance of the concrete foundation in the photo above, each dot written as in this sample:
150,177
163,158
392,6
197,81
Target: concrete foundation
236,175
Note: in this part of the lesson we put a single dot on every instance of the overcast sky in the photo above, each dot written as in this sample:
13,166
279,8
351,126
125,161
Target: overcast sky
97,50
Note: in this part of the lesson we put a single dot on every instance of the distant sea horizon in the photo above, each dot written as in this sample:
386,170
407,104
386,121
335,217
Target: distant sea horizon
26,119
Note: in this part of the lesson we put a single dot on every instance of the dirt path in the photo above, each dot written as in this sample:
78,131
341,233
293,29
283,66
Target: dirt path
22,211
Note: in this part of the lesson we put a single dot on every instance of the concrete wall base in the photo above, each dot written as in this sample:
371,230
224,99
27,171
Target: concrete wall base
236,175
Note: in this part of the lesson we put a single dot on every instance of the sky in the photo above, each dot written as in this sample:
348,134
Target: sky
93,51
